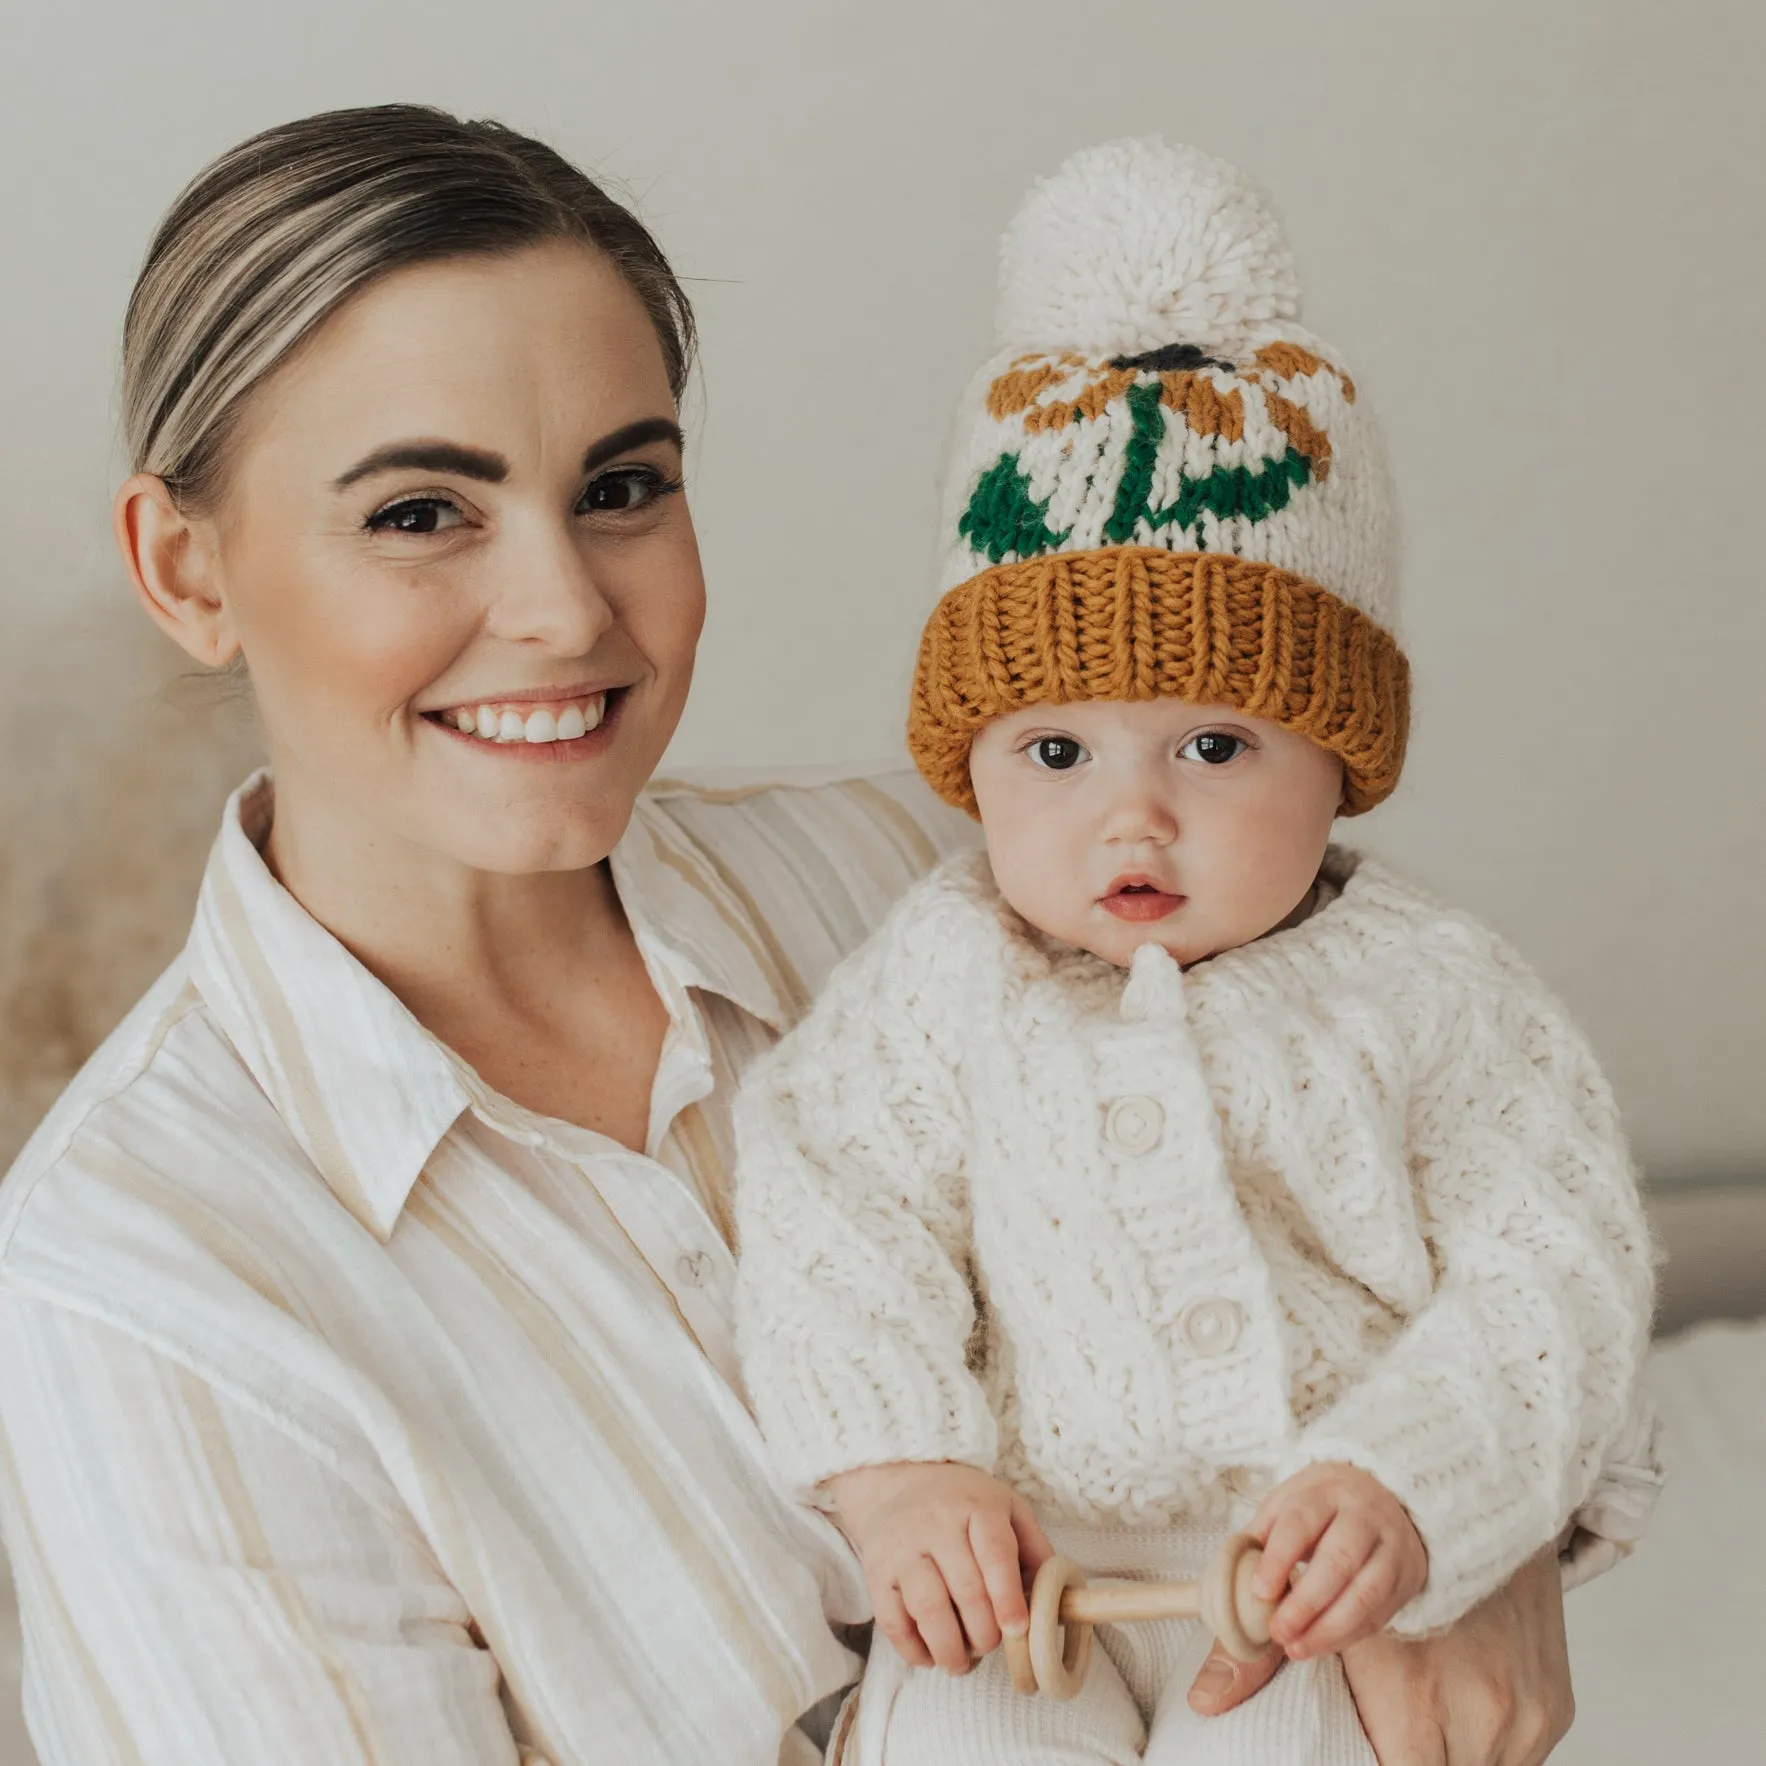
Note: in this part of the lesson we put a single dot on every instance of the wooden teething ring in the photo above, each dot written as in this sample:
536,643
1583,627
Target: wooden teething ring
1231,1607
1059,1652
1053,1657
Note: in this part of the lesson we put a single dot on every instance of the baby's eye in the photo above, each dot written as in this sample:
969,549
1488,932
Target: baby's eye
624,490
1056,753
1214,747
416,515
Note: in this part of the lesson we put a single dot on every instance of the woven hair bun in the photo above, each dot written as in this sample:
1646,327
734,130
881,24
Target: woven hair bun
1138,243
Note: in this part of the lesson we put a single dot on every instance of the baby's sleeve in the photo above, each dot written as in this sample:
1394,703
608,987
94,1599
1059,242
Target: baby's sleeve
1618,1510
1492,1414
855,1308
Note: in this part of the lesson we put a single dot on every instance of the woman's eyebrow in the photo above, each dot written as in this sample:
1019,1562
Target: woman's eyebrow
481,463
427,456
633,435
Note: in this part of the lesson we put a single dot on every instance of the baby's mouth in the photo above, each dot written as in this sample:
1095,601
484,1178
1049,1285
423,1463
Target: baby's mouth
1139,900
503,722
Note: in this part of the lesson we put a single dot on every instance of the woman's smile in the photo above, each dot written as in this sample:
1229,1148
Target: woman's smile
545,723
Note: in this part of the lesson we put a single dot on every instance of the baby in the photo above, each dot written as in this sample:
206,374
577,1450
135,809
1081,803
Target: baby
1166,1168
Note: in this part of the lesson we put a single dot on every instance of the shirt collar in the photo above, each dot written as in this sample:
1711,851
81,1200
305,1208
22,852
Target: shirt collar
696,919
368,1092
362,1086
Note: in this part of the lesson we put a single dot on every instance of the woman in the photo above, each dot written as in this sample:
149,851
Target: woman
365,1366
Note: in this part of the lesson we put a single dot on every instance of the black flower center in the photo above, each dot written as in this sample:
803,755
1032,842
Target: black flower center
1170,356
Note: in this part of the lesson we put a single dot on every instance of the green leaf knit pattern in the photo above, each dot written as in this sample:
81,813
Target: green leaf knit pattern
1004,518
1253,492
1138,460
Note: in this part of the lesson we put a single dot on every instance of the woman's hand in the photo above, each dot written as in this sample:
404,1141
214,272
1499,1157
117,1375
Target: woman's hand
1493,1690
945,1550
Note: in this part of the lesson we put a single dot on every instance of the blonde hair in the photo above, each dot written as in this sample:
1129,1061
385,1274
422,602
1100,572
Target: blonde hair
277,233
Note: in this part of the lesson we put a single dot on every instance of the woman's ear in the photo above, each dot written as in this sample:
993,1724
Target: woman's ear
171,561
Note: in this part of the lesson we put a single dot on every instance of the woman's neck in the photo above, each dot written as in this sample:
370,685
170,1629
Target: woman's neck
535,981
434,930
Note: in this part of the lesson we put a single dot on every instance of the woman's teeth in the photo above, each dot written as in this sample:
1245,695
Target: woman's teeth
543,724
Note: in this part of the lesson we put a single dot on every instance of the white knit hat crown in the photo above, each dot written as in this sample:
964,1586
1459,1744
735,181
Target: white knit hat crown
1134,243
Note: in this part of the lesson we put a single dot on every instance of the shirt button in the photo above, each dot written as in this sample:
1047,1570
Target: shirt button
1211,1327
693,1267
1134,1124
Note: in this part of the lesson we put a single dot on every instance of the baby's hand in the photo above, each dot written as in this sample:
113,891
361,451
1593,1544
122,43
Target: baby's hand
1364,1558
945,1550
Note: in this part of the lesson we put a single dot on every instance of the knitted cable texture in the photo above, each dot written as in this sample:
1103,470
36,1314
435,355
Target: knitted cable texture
1384,1215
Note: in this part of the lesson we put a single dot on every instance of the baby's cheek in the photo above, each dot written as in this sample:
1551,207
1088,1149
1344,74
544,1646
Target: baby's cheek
1044,893
1029,875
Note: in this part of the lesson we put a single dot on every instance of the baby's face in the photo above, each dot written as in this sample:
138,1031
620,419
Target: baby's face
1112,825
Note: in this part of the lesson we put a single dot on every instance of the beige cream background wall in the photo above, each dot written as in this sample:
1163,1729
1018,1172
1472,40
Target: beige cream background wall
1535,229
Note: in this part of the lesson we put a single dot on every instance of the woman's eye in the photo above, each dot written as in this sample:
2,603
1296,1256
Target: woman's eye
1214,748
622,491
1056,753
415,515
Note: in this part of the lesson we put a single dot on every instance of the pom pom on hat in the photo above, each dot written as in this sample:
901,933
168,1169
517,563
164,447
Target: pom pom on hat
1138,243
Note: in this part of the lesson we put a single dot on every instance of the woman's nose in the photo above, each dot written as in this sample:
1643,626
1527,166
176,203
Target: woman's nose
546,592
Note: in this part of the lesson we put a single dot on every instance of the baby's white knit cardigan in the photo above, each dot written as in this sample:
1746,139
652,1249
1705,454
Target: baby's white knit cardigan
1355,1192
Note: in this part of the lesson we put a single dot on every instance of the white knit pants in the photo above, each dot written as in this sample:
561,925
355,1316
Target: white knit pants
1133,1706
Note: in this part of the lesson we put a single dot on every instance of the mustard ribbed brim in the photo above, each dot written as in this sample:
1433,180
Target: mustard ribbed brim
1138,623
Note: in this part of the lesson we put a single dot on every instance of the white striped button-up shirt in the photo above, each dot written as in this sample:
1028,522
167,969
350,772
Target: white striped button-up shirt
351,1413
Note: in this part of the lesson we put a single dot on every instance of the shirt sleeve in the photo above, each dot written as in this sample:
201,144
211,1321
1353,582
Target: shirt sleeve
198,1588
855,1307
1492,1414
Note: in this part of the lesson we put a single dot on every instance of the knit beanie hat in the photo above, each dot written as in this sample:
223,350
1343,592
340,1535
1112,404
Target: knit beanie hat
1160,483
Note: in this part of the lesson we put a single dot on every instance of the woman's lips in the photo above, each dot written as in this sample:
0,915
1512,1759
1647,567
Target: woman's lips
547,734
1140,904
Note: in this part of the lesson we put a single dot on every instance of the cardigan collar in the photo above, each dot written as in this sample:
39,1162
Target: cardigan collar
1292,972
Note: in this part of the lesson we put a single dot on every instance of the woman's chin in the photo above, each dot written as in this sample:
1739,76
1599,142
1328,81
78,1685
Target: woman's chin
532,818
524,807
512,841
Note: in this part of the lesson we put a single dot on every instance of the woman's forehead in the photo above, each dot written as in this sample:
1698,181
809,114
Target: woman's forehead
522,354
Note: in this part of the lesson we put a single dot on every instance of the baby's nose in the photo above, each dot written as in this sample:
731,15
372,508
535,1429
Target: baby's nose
1140,816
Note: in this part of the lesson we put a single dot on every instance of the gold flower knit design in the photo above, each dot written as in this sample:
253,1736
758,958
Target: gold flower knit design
1050,394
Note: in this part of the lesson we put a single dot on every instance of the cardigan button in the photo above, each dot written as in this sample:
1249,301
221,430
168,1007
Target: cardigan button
1211,1327
1134,1124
